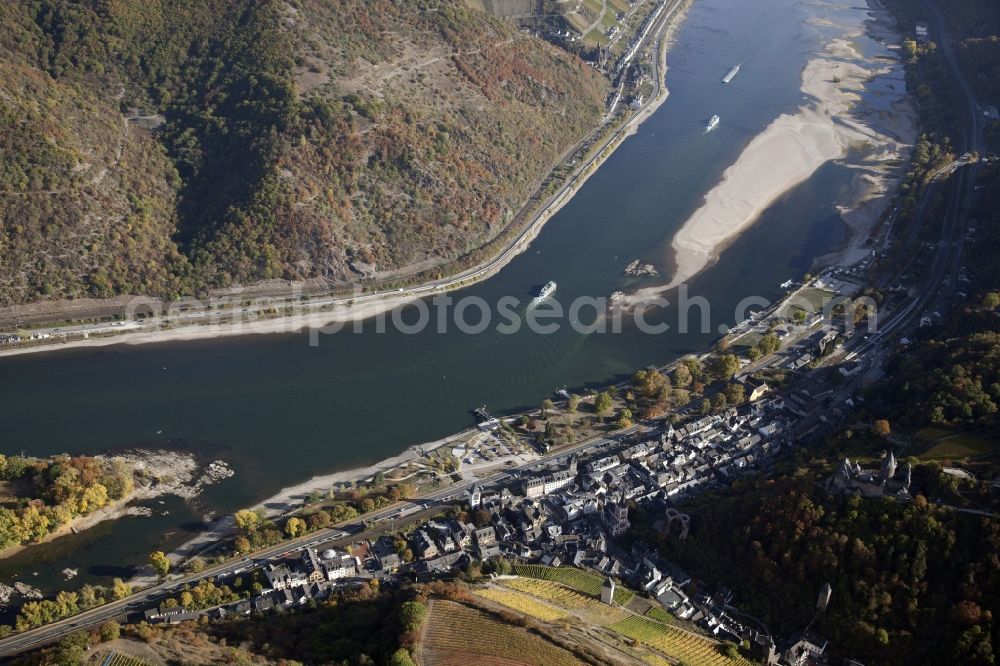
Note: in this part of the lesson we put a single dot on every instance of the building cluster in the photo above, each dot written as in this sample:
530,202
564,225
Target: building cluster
888,480
569,514
311,575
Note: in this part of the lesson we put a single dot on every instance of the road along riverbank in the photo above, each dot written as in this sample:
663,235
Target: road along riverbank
286,314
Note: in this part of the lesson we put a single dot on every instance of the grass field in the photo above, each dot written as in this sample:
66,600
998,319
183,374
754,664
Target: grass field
931,434
456,635
522,603
813,299
959,446
578,579
689,648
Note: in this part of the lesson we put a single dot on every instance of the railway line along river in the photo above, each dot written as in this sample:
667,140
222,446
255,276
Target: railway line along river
281,410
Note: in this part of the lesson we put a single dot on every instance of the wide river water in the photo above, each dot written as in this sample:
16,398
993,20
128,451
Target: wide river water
281,410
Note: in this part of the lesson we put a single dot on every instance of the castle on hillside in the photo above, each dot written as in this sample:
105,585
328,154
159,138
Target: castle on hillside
851,479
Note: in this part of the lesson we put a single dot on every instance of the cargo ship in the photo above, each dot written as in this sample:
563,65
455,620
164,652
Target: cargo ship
732,73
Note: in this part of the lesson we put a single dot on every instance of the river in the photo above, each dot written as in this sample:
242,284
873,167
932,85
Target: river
280,410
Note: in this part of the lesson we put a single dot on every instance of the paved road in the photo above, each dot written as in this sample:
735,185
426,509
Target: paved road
373,525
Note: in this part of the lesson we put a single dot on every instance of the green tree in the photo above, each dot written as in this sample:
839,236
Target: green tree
401,658
768,344
161,565
120,589
247,520
412,615
602,403
728,649
682,376
241,545
735,393
573,403
546,408
625,418
295,526
109,631
724,366
70,650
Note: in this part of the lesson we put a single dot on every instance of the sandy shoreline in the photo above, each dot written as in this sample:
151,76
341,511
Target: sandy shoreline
794,146
294,496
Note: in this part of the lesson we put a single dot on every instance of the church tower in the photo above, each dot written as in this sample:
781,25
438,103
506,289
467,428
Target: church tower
888,466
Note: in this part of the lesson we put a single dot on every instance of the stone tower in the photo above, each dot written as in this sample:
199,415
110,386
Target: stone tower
608,591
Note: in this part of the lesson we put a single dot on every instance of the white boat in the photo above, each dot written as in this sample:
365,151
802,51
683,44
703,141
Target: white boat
732,73
712,124
544,292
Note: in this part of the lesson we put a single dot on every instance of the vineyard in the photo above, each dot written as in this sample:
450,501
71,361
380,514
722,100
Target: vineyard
688,647
578,579
456,635
585,607
660,615
522,603
119,659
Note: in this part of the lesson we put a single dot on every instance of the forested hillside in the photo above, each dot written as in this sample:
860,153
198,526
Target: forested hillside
912,583
169,147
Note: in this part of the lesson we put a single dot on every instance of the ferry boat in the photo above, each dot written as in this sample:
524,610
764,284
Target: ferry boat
732,73
544,292
712,124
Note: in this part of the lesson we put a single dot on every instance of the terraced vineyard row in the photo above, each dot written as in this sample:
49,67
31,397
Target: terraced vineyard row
589,609
119,659
522,603
679,644
578,579
456,635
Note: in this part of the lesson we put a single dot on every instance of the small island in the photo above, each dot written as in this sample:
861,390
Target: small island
44,498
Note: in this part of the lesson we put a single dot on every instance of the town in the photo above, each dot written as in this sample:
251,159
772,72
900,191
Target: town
571,512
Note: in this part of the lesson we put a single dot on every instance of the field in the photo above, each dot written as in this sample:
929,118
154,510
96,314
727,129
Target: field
578,579
522,603
456,635
688,647
955,447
